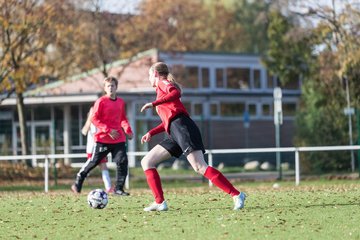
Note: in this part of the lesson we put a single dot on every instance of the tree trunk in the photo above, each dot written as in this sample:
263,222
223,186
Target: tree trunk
22,125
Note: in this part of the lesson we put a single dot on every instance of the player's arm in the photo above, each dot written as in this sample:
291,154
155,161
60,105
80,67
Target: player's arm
96,119
158,129
125,123
172,94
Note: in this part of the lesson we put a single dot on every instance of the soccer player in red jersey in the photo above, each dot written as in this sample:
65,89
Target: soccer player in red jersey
183,137
109,118
89,130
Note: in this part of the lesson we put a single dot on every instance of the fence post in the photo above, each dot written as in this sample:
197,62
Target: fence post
46,175
210,160
297,167
358,128
127,179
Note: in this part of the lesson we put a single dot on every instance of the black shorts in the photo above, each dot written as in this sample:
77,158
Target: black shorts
184,138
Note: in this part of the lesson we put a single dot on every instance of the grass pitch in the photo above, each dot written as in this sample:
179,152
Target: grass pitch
314,210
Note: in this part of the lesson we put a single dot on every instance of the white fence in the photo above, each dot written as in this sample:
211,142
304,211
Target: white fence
296,151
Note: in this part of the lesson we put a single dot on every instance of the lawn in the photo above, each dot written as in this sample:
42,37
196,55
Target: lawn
314,210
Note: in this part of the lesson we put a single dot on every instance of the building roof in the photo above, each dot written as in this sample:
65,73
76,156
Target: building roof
132,74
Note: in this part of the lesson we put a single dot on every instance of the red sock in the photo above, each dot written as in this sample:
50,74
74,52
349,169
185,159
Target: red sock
154,182
219,180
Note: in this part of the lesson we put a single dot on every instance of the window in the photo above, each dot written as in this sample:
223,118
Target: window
220,78
192,77
257,78
266,111
214,110
252,109
197,109
205,78
187,77
179,73
232,109
238,78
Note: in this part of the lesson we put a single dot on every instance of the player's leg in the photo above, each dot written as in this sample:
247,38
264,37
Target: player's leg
156,155
105,175
120,157
196,159
185,132
100,151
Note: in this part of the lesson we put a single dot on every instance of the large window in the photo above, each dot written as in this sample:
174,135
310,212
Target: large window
187,77
238,78
232,109
191,76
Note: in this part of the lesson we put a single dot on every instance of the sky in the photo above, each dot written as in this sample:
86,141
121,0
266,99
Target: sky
123,6
129,6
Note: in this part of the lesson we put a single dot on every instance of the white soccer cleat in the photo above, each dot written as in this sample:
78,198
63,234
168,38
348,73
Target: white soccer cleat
239,201
157,207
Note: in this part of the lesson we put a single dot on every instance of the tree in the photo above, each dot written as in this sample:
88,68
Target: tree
252,17
185,25
27,29
290,53
320,120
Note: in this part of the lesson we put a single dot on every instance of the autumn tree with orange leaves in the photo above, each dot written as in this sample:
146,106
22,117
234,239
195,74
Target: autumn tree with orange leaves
29,31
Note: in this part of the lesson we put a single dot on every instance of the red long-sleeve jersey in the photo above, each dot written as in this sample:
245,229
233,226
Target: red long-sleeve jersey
168,105
110,114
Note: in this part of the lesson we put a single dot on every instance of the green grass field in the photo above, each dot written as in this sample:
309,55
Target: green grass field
314,210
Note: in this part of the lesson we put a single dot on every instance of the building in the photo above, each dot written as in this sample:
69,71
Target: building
230,96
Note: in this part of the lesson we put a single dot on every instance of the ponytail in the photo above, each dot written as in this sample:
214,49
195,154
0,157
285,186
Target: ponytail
172,80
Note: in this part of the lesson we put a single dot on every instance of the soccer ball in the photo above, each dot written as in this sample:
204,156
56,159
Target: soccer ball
97,199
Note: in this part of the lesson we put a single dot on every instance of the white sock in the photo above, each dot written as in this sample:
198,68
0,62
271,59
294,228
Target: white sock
106,178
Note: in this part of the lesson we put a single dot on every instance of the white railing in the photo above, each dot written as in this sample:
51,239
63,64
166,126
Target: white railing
210,153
